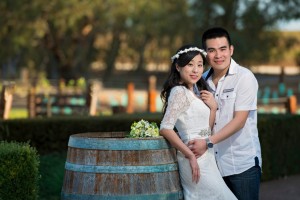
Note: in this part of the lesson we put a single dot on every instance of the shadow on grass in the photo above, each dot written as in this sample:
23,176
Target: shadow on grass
52,168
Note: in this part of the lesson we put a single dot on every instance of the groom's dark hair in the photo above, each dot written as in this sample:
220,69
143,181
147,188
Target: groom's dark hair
215,32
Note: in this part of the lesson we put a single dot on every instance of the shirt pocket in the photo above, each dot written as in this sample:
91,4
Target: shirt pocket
227,101
228,95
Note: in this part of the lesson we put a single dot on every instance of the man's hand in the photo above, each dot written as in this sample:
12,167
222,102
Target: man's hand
198,147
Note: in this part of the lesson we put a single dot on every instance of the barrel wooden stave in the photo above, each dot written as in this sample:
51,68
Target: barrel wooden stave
93,173
125,157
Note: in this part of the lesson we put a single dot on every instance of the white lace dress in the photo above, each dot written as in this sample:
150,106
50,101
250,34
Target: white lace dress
190,116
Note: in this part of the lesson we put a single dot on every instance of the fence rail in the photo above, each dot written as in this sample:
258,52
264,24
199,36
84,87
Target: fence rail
92,99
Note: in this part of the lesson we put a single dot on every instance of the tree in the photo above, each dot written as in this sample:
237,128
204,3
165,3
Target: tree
69,36
65,37
154,26
247,21
17,34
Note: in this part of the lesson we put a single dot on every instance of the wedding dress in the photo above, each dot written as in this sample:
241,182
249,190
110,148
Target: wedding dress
190,116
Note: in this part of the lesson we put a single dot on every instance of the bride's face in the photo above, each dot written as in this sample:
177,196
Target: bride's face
192,72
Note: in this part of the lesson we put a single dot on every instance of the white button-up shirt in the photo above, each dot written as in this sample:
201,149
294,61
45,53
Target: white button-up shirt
236,91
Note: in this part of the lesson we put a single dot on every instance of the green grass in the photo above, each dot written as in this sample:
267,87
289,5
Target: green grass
52,168
18,113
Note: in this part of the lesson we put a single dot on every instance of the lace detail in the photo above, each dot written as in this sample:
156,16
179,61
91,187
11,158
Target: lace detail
178,102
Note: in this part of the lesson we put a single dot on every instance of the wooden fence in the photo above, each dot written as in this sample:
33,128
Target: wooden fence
280,105
61,104
87,102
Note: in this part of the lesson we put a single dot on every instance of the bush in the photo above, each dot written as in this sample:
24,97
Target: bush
19,172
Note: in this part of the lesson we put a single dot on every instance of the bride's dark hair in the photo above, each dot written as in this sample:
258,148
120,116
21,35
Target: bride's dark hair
174,77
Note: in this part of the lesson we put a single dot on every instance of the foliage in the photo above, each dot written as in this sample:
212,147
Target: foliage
250,24
19,173
66,38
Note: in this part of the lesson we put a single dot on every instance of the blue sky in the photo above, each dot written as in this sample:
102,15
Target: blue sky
293,25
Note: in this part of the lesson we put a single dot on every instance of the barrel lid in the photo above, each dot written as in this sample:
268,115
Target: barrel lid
116,141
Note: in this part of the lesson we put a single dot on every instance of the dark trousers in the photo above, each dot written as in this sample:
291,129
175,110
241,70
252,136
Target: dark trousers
245,185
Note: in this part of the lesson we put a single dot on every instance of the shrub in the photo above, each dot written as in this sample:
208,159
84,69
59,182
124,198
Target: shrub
19,172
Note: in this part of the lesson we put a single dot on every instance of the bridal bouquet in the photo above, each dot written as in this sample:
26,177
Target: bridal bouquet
143,129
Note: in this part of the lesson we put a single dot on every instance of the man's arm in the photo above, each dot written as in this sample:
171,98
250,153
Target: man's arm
198,147
236,124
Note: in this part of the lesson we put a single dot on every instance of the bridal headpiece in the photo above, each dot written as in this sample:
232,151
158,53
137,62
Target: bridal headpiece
187,50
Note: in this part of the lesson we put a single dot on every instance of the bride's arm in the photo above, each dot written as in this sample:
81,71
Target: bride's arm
177,103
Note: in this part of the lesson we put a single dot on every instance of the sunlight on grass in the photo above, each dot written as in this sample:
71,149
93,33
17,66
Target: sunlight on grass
18,113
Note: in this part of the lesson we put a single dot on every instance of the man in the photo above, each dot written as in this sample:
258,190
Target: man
235,136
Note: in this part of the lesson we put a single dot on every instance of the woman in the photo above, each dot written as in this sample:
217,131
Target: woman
191,108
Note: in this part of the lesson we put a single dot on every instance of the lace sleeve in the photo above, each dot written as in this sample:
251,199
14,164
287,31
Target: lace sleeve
178,102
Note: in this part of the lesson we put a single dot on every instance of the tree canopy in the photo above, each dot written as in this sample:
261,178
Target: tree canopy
66,39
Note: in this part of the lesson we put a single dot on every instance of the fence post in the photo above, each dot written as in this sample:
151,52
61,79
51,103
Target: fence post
130,95
61,86
152,94
292,104
92,97
31,102
49,105
6,99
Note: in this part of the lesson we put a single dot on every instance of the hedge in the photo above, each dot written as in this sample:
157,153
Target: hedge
52,134
279,136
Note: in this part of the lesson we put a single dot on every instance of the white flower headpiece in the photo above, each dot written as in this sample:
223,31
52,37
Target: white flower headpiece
187,50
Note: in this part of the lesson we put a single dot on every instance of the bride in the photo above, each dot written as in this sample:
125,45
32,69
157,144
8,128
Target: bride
191,109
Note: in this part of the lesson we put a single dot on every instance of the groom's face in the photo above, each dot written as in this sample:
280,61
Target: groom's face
219,53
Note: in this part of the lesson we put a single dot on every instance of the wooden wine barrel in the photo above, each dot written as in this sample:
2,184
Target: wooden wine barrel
107,165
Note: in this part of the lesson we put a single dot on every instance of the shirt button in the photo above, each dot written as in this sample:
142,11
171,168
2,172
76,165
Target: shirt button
215,123
216,152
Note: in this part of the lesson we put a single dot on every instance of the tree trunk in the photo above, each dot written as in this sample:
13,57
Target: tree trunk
141,61
112,54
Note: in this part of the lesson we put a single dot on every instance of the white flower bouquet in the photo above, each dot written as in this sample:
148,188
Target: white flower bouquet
143,128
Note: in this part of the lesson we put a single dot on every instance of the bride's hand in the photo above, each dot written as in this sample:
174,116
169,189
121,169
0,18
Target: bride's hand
195,169
208,98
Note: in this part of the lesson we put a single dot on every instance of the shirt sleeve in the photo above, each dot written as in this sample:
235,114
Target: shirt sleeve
247,93
178,102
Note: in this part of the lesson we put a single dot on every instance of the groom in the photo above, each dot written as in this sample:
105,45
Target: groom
235,135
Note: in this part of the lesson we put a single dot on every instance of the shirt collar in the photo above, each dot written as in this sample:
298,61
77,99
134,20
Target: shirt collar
231,70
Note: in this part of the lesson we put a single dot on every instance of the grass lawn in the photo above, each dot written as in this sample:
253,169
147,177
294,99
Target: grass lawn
18,113
52,168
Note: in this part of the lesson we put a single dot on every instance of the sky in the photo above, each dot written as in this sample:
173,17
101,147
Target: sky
293,25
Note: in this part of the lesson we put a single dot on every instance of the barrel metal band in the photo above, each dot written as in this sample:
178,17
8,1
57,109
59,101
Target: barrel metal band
118,144
173,195
121,169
